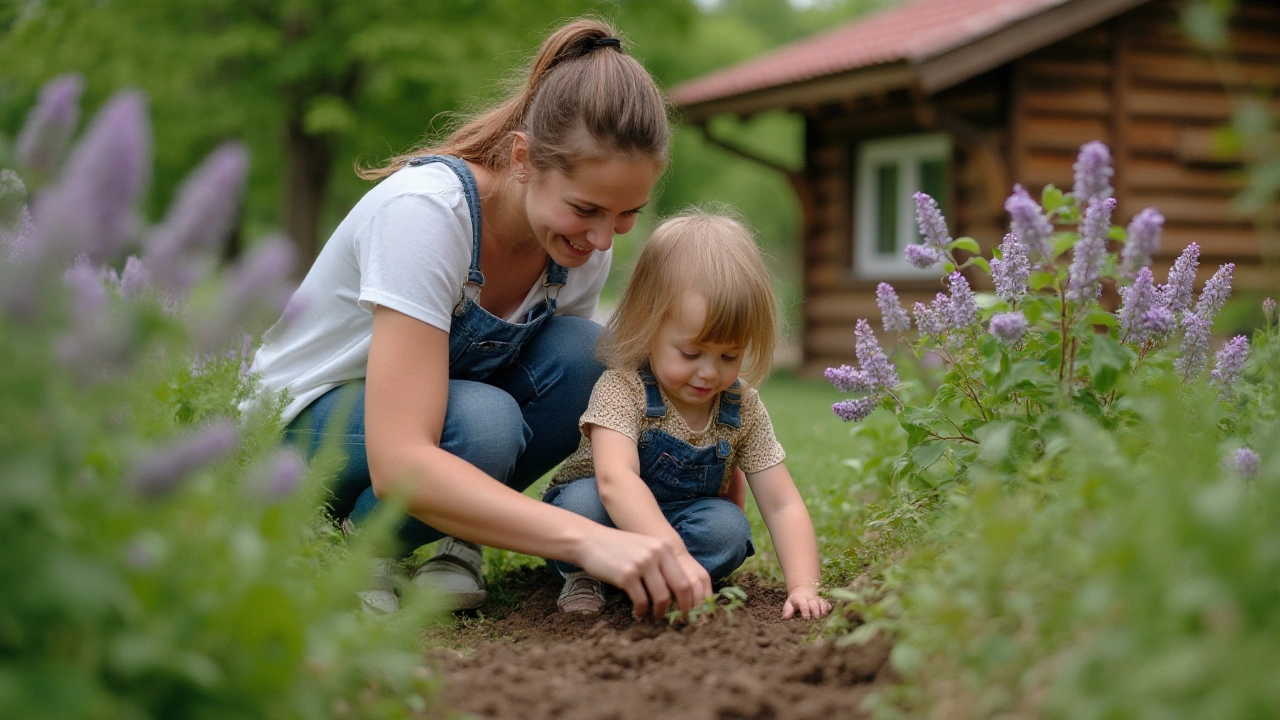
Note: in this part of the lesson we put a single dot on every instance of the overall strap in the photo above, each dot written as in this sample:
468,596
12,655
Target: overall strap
472,192
654,407
730,406
556,278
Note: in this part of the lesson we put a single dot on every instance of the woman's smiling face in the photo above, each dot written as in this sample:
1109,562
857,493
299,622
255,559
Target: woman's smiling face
573,216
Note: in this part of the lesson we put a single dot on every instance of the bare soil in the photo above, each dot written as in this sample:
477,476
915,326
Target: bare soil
526,660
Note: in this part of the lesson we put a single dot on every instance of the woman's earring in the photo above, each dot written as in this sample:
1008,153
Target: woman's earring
520,177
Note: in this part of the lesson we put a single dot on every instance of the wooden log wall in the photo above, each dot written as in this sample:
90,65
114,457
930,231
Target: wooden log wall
1134,82
834,296
1139,85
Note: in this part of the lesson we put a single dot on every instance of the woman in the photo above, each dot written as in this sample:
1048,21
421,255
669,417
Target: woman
445,336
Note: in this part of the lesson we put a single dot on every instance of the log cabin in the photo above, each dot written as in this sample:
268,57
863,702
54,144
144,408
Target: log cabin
963,98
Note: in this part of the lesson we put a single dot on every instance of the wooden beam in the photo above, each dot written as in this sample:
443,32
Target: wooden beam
1121,85
830,88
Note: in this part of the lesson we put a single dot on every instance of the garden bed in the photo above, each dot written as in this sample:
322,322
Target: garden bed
530,661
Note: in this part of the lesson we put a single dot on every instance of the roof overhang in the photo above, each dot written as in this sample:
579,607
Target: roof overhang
931,74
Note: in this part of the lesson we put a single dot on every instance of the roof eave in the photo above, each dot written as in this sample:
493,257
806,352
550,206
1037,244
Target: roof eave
829,88
958,64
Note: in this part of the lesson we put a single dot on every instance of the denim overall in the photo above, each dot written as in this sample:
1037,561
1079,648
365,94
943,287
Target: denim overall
480,343
685,480
515,390
674,469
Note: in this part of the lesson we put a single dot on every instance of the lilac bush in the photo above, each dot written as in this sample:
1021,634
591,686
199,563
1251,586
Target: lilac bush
1043,344
166,557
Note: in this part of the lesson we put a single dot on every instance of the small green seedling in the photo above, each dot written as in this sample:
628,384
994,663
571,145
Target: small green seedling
733,597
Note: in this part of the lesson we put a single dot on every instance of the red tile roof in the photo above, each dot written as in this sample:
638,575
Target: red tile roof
912,32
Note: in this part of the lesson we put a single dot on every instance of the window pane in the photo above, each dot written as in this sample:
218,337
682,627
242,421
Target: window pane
887,210
933,181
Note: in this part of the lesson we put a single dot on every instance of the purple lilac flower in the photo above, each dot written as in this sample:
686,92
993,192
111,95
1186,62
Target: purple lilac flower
1216,291
895,318
1247,463
1028,222
849,379
15,217
159,473
922,256
135,279
929,322
1158,322
964,308
871,358
1137,301
1142,240
1093,173
855,409
1230,363
1176,293
199,219
933,227
1269,309
1009,327
1010,273
281,475
88,295
44,137
91,209
1090,252
1195,346
258,284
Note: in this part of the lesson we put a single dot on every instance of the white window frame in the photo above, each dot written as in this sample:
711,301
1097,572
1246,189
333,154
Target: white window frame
907,151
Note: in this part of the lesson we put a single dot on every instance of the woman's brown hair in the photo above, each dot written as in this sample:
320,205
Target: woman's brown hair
581,86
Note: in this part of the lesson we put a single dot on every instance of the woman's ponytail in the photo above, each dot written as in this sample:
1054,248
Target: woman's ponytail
580,80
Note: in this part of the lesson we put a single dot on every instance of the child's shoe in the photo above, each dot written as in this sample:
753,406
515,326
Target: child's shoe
581,594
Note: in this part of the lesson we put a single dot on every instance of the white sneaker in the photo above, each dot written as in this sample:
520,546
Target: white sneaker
581,594
454,574
381,597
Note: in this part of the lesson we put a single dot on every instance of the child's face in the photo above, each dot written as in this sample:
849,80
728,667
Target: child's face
690,373
576,215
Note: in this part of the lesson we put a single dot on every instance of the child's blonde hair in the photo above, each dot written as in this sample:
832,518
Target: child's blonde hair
711,254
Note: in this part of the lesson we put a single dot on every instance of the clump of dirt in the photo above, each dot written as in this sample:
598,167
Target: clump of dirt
531,662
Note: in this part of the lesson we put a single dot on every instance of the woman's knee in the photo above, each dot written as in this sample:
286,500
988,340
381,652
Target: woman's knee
484,426
580,497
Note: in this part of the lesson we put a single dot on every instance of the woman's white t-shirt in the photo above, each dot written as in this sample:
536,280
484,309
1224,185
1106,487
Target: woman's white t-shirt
407,246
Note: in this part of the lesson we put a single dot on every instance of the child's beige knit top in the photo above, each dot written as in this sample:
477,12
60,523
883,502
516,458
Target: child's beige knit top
618,403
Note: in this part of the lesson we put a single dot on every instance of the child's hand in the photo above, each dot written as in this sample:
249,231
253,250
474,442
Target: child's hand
806,601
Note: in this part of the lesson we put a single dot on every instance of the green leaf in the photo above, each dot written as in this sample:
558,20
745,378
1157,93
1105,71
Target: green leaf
1050,198
980,262
1102,317
1040,280
1115,232
1106,361
1063,242
965,243
949,267
926,455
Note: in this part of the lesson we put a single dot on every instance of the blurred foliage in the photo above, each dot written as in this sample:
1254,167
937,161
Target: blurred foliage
165,556
368,80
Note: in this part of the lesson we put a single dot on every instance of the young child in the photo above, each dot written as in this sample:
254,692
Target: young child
670,419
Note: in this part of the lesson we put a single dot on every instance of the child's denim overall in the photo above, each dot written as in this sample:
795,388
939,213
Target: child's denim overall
674,469
515,389
685,480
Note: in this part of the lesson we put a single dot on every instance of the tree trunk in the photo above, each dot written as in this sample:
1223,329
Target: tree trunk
309,162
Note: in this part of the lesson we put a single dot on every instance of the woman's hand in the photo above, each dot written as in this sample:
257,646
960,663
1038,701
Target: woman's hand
806,601
650,570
